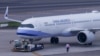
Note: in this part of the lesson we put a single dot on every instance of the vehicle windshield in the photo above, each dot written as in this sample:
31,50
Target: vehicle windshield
27,25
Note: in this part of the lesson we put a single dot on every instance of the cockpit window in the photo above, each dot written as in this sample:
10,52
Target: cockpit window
27,25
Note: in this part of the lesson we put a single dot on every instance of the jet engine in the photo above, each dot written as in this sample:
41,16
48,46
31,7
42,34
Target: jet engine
85,37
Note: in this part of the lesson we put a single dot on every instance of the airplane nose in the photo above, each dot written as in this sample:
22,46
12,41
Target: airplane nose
26,32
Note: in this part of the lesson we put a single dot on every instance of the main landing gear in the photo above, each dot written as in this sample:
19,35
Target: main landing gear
54,40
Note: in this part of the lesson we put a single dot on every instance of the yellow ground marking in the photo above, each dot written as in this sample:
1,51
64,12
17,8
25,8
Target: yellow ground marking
36,54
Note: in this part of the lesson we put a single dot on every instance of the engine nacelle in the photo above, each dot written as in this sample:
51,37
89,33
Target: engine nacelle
85,37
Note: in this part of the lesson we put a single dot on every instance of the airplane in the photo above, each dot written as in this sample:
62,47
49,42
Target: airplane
82,25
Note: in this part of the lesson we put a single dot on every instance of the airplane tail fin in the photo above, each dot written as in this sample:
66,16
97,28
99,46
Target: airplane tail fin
6,16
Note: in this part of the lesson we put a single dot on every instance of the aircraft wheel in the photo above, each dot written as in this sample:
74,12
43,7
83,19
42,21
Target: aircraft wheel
54,40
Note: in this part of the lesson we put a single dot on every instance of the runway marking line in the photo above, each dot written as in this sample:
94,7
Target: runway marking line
37,54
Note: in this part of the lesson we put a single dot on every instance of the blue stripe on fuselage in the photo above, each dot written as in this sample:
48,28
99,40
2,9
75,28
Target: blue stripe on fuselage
31,33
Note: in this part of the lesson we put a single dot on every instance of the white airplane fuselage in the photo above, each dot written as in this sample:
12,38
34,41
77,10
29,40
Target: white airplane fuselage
82,25
60,25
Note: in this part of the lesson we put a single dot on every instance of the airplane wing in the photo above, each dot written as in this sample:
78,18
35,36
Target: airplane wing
6,16
80,29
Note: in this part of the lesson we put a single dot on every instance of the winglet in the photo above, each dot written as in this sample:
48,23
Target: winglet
6,13
6,16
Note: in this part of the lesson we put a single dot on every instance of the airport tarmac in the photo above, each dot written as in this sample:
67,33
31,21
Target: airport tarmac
50,49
